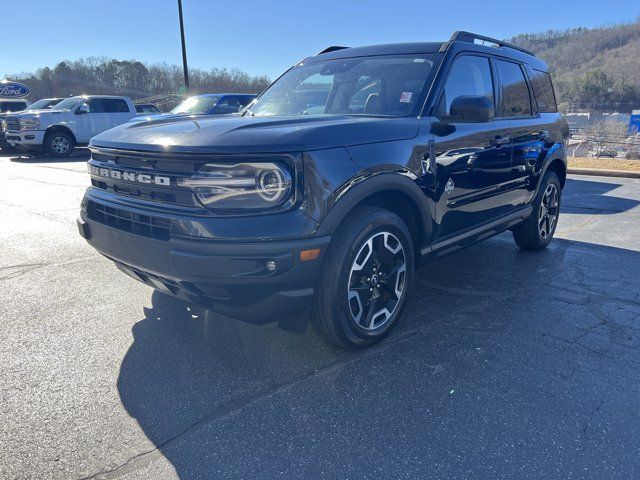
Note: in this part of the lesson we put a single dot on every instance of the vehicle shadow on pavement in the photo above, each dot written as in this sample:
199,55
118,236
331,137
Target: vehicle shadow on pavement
504,362
581,196
81,155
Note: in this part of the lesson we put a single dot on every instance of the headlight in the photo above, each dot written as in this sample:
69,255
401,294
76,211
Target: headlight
241,186
29,123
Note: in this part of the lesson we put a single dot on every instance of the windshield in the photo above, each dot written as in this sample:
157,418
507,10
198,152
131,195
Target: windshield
379,86
196,105
44,103
67,103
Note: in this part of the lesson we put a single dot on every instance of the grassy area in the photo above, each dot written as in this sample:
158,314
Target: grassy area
605,163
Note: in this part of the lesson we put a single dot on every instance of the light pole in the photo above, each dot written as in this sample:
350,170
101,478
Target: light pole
184,48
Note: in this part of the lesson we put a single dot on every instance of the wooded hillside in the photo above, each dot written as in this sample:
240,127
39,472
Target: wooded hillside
593,69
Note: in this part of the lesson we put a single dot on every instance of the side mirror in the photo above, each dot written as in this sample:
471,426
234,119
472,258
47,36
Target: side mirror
472,108
83,109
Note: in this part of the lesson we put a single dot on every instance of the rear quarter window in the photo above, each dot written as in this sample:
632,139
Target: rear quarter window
543,91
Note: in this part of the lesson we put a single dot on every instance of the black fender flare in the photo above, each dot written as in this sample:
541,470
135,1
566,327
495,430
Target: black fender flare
555,153
362,186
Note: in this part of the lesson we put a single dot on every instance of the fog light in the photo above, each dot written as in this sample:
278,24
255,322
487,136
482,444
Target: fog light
270,265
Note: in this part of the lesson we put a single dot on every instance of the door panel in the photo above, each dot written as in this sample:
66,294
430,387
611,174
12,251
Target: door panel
117,111
473,160
473,164
532,140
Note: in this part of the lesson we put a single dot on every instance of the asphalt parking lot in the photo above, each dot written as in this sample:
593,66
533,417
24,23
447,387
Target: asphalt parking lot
507,364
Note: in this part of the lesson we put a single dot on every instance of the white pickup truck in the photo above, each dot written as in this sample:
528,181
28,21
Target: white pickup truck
73,121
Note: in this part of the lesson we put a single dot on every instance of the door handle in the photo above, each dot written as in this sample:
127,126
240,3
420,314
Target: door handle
499,140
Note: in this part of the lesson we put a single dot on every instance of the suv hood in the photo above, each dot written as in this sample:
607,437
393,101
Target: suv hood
149,117
234,134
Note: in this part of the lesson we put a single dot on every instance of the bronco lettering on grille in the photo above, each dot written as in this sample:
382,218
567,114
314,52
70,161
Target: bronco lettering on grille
130,176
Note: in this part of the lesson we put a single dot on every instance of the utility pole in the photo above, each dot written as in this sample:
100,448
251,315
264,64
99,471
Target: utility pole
184,48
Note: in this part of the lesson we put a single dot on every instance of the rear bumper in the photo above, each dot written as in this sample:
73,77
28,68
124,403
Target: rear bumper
227,277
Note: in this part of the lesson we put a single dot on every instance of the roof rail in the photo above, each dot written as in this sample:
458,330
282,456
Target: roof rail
462,36
332,48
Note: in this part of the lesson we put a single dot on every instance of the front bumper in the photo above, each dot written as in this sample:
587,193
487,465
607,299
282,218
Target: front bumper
25,138
226,277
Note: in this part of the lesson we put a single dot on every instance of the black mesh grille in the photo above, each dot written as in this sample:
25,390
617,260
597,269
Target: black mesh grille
145,225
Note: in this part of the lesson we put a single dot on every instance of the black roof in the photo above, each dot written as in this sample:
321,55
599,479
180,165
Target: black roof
386,49
460,41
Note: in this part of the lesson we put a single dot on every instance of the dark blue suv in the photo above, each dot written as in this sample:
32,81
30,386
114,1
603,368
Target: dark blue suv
330,188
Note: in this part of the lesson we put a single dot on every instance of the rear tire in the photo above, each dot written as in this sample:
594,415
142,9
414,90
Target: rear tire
58,144
365,278
536,232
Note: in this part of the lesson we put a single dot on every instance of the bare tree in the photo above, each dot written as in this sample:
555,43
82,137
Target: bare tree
607,134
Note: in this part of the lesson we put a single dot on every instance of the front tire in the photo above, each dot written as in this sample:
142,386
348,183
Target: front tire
365,278
536,232
58,144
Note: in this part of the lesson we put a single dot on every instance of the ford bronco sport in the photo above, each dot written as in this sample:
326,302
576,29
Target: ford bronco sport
332,185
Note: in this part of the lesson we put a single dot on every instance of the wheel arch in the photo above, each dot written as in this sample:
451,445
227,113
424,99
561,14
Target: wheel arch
559,167
60,128
395,192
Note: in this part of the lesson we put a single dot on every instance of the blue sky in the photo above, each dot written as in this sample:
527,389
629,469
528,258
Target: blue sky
265,37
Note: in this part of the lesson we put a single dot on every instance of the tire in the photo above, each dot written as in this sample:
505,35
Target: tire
355,305
58,144
536,232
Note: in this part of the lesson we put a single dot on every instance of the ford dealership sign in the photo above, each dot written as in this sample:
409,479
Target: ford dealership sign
13,89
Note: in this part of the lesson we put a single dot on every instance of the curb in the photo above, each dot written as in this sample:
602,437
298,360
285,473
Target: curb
604,173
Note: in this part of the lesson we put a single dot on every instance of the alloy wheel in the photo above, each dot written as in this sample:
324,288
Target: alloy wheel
548,213
60,144
377,280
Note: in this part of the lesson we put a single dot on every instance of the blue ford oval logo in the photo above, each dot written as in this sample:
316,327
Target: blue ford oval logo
13,89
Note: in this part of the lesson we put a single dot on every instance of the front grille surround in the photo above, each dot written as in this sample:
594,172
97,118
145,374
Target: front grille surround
13,123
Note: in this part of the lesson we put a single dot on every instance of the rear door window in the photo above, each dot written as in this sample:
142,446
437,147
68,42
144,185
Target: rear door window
543,91
115,105
516,101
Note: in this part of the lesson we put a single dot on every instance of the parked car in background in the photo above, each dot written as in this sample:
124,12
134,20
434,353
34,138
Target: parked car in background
206,104
8,106
607,153
417,150
73,121
146,108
